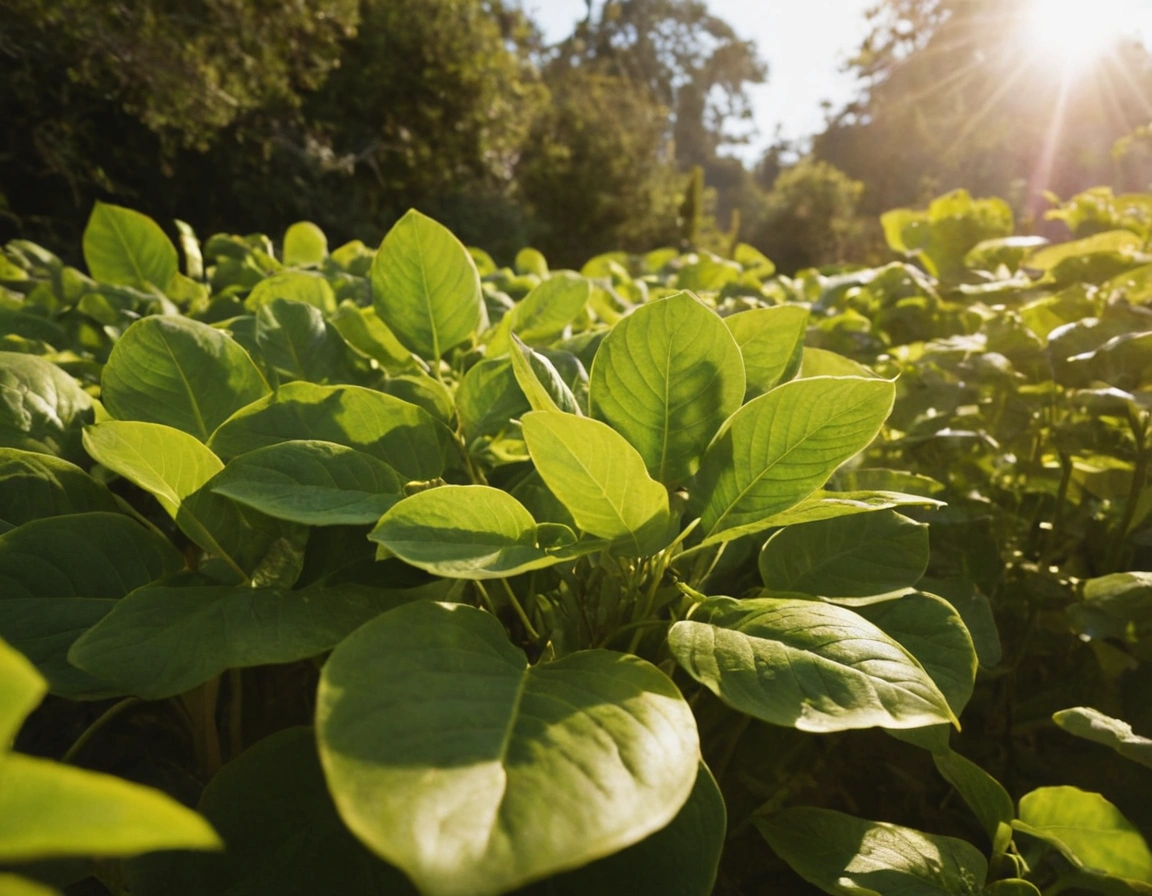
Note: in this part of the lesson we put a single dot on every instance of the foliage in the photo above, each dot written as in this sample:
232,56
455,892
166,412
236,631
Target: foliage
673,574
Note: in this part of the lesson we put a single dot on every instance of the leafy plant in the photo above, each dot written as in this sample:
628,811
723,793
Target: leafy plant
466,580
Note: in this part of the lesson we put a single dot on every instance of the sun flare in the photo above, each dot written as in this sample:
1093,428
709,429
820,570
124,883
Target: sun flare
1074,34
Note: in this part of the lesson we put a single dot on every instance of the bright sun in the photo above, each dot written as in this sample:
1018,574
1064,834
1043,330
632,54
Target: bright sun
1076,33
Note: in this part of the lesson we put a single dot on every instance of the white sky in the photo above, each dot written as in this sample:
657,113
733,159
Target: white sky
804,43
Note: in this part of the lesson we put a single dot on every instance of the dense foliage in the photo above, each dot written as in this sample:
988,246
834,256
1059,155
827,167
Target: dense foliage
670,575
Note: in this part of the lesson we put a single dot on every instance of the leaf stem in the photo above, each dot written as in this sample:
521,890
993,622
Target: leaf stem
92,730
528,627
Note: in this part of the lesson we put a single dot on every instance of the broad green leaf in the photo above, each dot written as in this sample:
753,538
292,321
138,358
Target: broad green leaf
805,664
488,397
177,469
848,856
402,435
296,342
82,555
280,830
14,885
44,630
931,630
48,809
781,447
463,532
425,286
1014,886
311,482
33,486
541,316
540,382
126,248
679,860
295,286
181,373
165,639
600,478
548,766
666,378
1091,832
771,342
364,331
304,244
21,690
825,505
846,556
42,408
816,362
1120,242
1093,725
531,261
985,796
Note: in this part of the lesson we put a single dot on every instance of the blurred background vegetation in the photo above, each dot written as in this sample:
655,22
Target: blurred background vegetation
245,115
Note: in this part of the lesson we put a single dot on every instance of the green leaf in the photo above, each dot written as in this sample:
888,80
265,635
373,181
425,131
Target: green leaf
362,329
425,286
679,860
127,248
600,478
531,261
280,830
21,690
181,373
299,344
985,796
14,885
847,557
402,435
488,397
825,505
541,316
931,630
314,483
35,485
666,378
1011,887
771,342
540,382
463,532
42,408
44,630
48,809
1090,832
781,447
82,555
167,463
806,664
304,244
548,767
848,856
166,639
1093,725
296,286
816,362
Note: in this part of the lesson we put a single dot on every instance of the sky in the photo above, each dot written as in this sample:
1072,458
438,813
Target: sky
804,43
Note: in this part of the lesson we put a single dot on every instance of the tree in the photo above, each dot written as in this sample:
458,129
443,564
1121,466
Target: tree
597,171
956,94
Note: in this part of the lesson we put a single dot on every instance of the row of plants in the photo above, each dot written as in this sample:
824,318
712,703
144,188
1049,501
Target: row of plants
414,573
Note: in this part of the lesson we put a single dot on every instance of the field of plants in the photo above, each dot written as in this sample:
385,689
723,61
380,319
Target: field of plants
353,570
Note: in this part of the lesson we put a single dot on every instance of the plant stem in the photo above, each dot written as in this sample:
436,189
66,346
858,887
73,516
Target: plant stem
235,713
201,705
1135,490
528,627
92,730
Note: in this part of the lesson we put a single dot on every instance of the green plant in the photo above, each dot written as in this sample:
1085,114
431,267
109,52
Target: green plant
482,580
